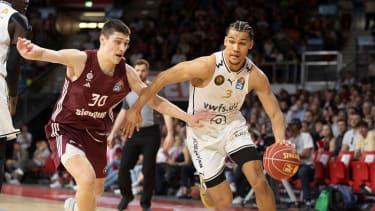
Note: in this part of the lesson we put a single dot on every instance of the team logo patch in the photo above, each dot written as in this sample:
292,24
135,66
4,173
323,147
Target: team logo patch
219,80
240,83
89,77
4,11
118,86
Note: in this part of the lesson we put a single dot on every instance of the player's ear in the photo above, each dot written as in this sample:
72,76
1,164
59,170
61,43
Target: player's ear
251,44
101,38
225,41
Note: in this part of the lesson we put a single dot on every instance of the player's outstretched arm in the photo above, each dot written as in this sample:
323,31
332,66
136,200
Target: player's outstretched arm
260,83
148,95
31,51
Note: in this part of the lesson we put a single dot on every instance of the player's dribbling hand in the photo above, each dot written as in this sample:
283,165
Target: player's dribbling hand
195,120
286,143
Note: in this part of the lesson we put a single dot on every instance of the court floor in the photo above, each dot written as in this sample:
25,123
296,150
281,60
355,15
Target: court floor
36,198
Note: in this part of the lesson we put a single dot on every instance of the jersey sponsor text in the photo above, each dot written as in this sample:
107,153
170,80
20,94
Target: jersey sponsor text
95,115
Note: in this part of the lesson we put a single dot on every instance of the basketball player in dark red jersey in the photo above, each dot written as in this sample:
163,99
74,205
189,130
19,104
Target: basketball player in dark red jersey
96,81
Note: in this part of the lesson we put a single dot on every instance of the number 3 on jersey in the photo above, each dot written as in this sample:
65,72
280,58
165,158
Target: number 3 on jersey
98,100
229,93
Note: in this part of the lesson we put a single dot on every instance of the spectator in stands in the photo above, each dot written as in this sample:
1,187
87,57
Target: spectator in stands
327,143
178,57
366,141
305,148
296,111
341,128
329,112
366,110
371,70
351,136
369,13
25,137
346,10
348,78
40,156
373,116
179,158
162,156
13,165
316,132
308,118
112,170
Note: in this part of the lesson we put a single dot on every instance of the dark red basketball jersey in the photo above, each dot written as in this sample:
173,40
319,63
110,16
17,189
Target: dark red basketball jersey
87,102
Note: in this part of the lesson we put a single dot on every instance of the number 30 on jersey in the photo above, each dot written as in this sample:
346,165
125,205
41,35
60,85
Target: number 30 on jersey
98,100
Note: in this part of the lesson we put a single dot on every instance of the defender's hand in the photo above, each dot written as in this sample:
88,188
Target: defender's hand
133,120
195,120
27,49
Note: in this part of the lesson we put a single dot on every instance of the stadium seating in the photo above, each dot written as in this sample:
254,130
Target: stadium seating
339,169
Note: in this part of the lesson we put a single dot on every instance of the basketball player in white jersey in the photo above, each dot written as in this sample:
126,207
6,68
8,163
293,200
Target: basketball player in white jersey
219,83
13,23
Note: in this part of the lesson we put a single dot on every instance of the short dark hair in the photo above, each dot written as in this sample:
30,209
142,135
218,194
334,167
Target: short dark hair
115,25
363,123
142,62
242,26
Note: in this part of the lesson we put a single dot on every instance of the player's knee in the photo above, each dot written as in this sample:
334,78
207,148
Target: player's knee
86,181
259,183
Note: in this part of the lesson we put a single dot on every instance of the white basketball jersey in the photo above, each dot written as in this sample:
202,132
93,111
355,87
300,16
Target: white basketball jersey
223,95
6,11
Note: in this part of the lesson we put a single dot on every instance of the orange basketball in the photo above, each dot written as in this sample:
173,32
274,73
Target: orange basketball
281,161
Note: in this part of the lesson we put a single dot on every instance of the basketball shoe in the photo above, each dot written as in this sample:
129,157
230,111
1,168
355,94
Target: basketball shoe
205,198
70,204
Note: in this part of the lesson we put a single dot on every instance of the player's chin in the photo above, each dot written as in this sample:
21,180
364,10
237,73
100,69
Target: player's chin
235,61
117,60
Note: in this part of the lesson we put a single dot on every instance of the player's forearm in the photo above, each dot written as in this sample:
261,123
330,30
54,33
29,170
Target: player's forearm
151,91
278,126
118,122
167,108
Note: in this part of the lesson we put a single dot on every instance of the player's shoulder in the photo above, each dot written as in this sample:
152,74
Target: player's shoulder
20,20
207,61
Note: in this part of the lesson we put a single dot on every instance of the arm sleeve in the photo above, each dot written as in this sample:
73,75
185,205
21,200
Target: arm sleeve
13,70
17,27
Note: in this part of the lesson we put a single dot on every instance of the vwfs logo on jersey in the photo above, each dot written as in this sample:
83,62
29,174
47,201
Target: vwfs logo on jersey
118,86
221,108
4,11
